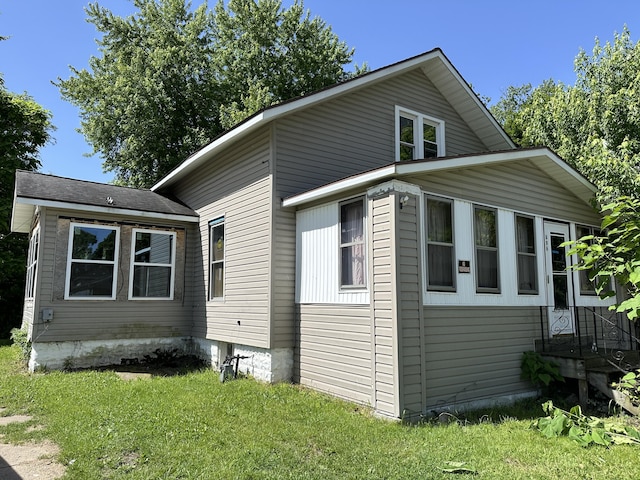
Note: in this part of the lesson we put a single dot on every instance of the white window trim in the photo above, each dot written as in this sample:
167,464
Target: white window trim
116,255
222,219
32,263
133,263
364,286
535,254
418,132
425,202
479,289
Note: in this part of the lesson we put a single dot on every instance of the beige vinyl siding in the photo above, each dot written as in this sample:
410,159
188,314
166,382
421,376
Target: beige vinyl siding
236,185
383,307
474,353
409,285
521,187
356,132
106,319
283,280
334,351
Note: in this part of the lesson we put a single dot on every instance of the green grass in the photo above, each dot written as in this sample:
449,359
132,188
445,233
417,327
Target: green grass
194,427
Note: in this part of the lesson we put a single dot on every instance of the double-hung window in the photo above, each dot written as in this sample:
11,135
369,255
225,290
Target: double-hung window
352,243
32,263
418,136
152,264
526,251
588,286
216,258
91,262
486,249
440,244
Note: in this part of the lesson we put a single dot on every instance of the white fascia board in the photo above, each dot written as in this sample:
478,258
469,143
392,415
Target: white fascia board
339,186
287,107
106,210
487,159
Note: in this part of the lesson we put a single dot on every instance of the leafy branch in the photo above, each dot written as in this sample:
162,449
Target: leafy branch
586,430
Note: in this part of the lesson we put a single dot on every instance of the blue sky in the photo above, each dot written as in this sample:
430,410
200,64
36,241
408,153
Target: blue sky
493,44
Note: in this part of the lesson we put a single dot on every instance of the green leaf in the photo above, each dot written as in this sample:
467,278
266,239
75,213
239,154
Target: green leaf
458,467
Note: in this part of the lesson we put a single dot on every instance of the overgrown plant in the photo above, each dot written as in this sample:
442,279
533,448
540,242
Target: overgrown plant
20,337
586,430
539,371
630,386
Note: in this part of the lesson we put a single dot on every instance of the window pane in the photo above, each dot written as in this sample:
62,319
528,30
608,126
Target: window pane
93,243
527,281
485,227
440,226
558,256
151,281
430,144
217,280
406,130
560,291
217,242
153,247
526,235
406,152
352,266
351,222
91,279
487,261
440,266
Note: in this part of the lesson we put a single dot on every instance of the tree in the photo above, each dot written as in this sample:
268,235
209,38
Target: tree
25,127
170,78
593,124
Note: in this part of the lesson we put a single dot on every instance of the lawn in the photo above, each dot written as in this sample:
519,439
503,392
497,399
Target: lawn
194,427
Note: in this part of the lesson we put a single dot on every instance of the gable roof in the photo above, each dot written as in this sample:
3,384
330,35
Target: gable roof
434,64
542,157
37,189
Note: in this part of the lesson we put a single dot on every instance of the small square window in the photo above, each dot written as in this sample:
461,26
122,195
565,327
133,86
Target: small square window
418,136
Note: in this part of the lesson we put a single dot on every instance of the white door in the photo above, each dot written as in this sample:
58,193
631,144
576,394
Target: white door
558,280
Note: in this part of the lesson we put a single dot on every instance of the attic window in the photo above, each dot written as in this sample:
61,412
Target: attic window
418,136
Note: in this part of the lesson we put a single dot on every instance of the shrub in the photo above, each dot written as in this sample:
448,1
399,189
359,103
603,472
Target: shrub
539,371
20,337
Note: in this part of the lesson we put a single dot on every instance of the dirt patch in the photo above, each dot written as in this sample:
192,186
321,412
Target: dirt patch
29,460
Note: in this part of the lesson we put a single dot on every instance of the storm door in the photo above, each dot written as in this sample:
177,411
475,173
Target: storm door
558,280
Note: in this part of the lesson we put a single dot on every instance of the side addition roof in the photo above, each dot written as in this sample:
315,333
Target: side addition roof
434,64
542,157
37,189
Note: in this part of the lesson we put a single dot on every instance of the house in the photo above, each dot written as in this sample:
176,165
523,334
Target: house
382,240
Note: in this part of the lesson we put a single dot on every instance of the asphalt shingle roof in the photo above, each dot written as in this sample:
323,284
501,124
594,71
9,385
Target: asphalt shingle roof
44,187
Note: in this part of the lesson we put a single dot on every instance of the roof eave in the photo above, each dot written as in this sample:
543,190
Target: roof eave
24,205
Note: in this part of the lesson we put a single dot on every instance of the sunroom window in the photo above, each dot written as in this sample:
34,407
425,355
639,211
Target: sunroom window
92,260
486,248
418,136
32,263
440,244
152,264
352,244
588,286
526,251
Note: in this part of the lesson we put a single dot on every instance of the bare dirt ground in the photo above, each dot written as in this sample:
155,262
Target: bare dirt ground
30,460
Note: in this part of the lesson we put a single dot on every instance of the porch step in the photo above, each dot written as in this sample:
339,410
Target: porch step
601,379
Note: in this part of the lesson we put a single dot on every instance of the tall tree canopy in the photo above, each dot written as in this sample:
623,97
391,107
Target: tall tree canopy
593,124
171,78
25,127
